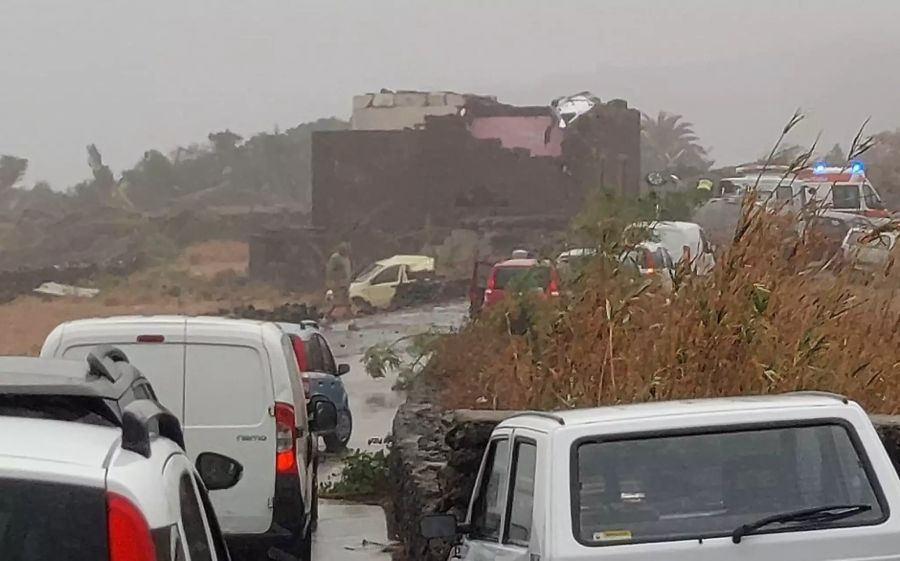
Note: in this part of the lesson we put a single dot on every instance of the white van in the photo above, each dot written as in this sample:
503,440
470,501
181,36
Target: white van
683,240
235,386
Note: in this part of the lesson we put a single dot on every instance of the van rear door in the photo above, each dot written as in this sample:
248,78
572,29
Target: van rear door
229,410
156,349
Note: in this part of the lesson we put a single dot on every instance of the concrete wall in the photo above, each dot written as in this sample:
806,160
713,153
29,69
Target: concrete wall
537,134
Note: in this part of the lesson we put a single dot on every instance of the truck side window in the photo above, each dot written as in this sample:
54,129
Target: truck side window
488,506
521,499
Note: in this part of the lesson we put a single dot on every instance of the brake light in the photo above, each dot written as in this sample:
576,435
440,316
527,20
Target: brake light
299,352
553,288
151,339
492,280
128,534
285,438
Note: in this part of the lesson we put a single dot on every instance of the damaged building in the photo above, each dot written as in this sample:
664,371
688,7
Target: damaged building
416,166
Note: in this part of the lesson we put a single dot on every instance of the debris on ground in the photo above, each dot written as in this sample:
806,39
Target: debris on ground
58,289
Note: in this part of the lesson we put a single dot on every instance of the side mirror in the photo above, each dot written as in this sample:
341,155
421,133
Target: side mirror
439,526
343,369
322,415
218,471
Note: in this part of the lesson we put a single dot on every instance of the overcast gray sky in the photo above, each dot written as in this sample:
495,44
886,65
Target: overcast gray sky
131,76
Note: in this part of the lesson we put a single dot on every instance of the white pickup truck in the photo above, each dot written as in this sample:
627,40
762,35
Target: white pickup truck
802,477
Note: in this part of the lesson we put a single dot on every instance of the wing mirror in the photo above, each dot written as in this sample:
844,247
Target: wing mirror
218,471
343,369
322,415
440,526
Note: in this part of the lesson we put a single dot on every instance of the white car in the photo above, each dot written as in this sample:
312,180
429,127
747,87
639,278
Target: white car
797,476
683,240
375,286
236,388
71,491
872,253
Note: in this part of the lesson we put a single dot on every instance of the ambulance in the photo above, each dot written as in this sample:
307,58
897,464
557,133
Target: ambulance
843,189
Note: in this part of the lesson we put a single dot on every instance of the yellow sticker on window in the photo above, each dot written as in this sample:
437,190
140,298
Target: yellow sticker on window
612,535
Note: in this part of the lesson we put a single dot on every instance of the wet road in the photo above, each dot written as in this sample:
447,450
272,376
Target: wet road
357,532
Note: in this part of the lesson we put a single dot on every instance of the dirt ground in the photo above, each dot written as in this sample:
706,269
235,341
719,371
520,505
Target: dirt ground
207,277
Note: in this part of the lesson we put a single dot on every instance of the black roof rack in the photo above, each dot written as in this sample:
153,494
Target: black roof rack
107,375
143,418
99,358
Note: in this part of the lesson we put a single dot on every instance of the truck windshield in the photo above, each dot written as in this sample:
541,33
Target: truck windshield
704,485
43,520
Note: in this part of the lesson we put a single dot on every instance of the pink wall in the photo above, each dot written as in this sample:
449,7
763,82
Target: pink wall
520,132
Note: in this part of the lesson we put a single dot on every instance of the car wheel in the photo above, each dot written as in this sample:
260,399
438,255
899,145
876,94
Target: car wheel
336,441
362,307
306,546
314,510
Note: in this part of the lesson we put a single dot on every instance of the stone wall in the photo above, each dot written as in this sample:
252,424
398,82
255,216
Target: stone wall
436,454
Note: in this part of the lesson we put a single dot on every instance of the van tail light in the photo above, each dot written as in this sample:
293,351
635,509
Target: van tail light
299,352
128,533
285,438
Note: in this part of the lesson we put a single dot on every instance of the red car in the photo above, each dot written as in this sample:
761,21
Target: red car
520,274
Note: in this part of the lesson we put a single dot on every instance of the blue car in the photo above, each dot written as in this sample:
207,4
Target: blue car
321,378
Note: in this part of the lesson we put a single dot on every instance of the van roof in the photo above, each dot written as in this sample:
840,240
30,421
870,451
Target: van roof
166,319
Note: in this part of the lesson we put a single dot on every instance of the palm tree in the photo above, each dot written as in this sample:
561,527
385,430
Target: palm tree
11,171
669,142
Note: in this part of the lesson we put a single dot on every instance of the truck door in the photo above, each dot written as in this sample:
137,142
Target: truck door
502,513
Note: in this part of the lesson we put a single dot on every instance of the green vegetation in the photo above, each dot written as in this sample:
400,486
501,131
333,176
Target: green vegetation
363,477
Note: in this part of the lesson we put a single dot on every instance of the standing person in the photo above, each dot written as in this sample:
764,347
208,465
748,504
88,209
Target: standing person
337,278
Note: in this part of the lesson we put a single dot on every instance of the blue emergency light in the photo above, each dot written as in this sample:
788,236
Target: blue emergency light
857,167
820,168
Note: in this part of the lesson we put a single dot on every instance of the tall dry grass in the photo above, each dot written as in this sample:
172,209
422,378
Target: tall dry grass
765,321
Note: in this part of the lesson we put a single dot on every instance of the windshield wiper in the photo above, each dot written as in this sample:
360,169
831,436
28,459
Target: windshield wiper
812,515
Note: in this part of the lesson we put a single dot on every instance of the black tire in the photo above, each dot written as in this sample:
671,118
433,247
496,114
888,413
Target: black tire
338,443
314,510
306,546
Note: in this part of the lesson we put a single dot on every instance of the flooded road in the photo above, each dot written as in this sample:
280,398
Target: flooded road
358,532
372,401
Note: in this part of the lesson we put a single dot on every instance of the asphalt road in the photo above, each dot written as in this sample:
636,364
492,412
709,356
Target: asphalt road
357,532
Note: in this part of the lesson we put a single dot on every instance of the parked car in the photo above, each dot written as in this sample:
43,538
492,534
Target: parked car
831,228
651,260
801,476
864,248
235,386
321,378
374,287
683,240
521,274
72,491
